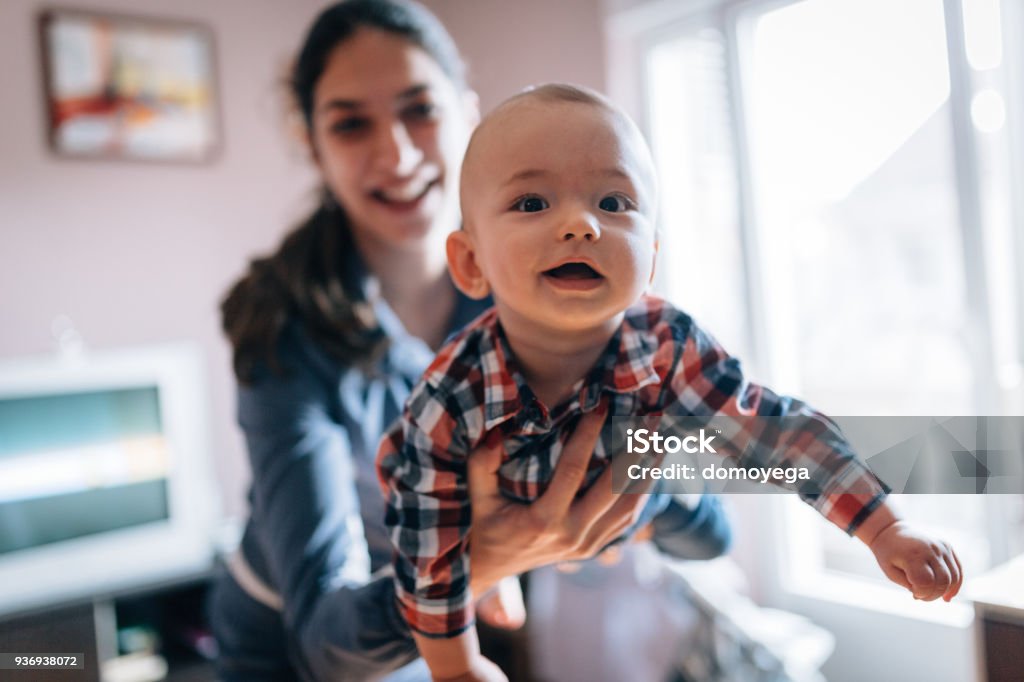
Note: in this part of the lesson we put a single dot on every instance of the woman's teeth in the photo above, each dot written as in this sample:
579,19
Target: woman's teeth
406,193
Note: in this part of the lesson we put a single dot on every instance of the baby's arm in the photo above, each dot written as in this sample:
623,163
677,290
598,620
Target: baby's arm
926,566
709,382
422,468
457,659
766,430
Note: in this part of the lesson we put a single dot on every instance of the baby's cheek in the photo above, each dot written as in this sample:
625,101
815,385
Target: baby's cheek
639,254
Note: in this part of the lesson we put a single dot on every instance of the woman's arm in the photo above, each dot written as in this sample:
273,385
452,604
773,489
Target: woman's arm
692,528
308,528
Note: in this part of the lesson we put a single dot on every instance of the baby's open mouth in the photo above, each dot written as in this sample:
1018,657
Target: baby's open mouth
573,271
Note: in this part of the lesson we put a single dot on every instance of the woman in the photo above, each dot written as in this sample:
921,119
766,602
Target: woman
328,335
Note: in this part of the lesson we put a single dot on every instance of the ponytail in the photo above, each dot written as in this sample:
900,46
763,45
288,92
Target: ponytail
306,280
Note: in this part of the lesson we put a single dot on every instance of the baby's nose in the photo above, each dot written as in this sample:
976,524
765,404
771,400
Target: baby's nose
584,226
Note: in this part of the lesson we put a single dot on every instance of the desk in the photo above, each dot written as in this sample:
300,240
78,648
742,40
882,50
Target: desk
998,598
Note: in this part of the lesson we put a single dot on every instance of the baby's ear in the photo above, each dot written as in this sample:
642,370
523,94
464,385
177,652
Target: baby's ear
462,264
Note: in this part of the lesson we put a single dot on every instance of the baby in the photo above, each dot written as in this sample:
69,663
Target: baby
558,197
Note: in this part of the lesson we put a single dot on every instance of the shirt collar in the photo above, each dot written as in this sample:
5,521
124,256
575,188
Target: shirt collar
625,366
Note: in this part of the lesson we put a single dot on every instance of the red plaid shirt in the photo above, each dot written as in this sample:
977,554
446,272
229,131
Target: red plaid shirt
659,362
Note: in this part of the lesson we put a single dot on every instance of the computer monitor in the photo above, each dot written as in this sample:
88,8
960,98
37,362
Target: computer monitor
106,483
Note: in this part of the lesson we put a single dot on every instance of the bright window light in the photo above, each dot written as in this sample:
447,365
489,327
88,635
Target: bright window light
701,266
988,111
817,142
982,34
856,191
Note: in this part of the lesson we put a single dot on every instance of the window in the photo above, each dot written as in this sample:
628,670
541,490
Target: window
837,209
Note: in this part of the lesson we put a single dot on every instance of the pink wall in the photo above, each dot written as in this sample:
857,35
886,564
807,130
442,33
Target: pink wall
138,254
510,45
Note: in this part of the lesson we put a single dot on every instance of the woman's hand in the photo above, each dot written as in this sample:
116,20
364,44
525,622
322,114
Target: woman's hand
508,538
610,556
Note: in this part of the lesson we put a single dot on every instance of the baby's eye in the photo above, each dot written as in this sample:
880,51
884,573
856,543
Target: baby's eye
530,204
615,203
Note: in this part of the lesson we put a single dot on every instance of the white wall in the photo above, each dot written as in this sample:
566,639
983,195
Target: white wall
141,253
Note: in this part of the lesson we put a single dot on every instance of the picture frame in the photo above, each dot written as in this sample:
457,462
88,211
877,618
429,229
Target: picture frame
129,88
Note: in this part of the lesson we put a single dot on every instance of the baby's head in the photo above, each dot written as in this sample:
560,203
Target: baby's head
558,197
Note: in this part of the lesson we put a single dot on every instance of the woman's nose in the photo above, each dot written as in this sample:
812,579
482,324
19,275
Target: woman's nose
395,150
583,226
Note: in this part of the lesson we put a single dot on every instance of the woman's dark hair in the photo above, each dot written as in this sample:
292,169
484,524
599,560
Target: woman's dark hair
306,279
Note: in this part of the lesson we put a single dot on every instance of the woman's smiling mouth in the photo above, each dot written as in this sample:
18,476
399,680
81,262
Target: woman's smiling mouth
406,197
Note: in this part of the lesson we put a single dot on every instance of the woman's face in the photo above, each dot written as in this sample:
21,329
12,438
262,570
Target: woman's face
389,131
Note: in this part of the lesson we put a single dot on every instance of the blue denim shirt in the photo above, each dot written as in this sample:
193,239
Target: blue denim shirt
315,533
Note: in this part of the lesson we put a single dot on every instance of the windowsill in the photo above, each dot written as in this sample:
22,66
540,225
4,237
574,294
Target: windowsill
998,590
862,594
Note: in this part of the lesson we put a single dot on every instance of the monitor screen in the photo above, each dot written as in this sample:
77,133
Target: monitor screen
106,483
78,464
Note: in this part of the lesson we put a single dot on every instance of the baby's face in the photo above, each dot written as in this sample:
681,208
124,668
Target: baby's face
558,206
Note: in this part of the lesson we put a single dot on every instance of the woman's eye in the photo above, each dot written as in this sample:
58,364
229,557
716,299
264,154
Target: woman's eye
614,203
421,110
530,204
348,125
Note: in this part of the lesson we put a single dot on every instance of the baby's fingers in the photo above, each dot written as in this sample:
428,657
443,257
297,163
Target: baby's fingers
922,579
943,579
956,571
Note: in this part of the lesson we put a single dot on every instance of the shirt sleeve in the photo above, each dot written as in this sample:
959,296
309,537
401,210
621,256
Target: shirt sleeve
692,528
775,431
305,518
422,466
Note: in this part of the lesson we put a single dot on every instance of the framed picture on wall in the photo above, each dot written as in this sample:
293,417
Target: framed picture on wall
120,87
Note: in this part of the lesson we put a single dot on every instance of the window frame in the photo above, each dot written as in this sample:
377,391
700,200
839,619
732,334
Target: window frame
633,31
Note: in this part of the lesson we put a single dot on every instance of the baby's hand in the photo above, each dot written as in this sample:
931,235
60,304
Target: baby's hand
502,607
926,566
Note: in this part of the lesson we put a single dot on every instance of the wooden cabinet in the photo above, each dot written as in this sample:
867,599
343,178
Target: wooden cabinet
999,608
155,634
